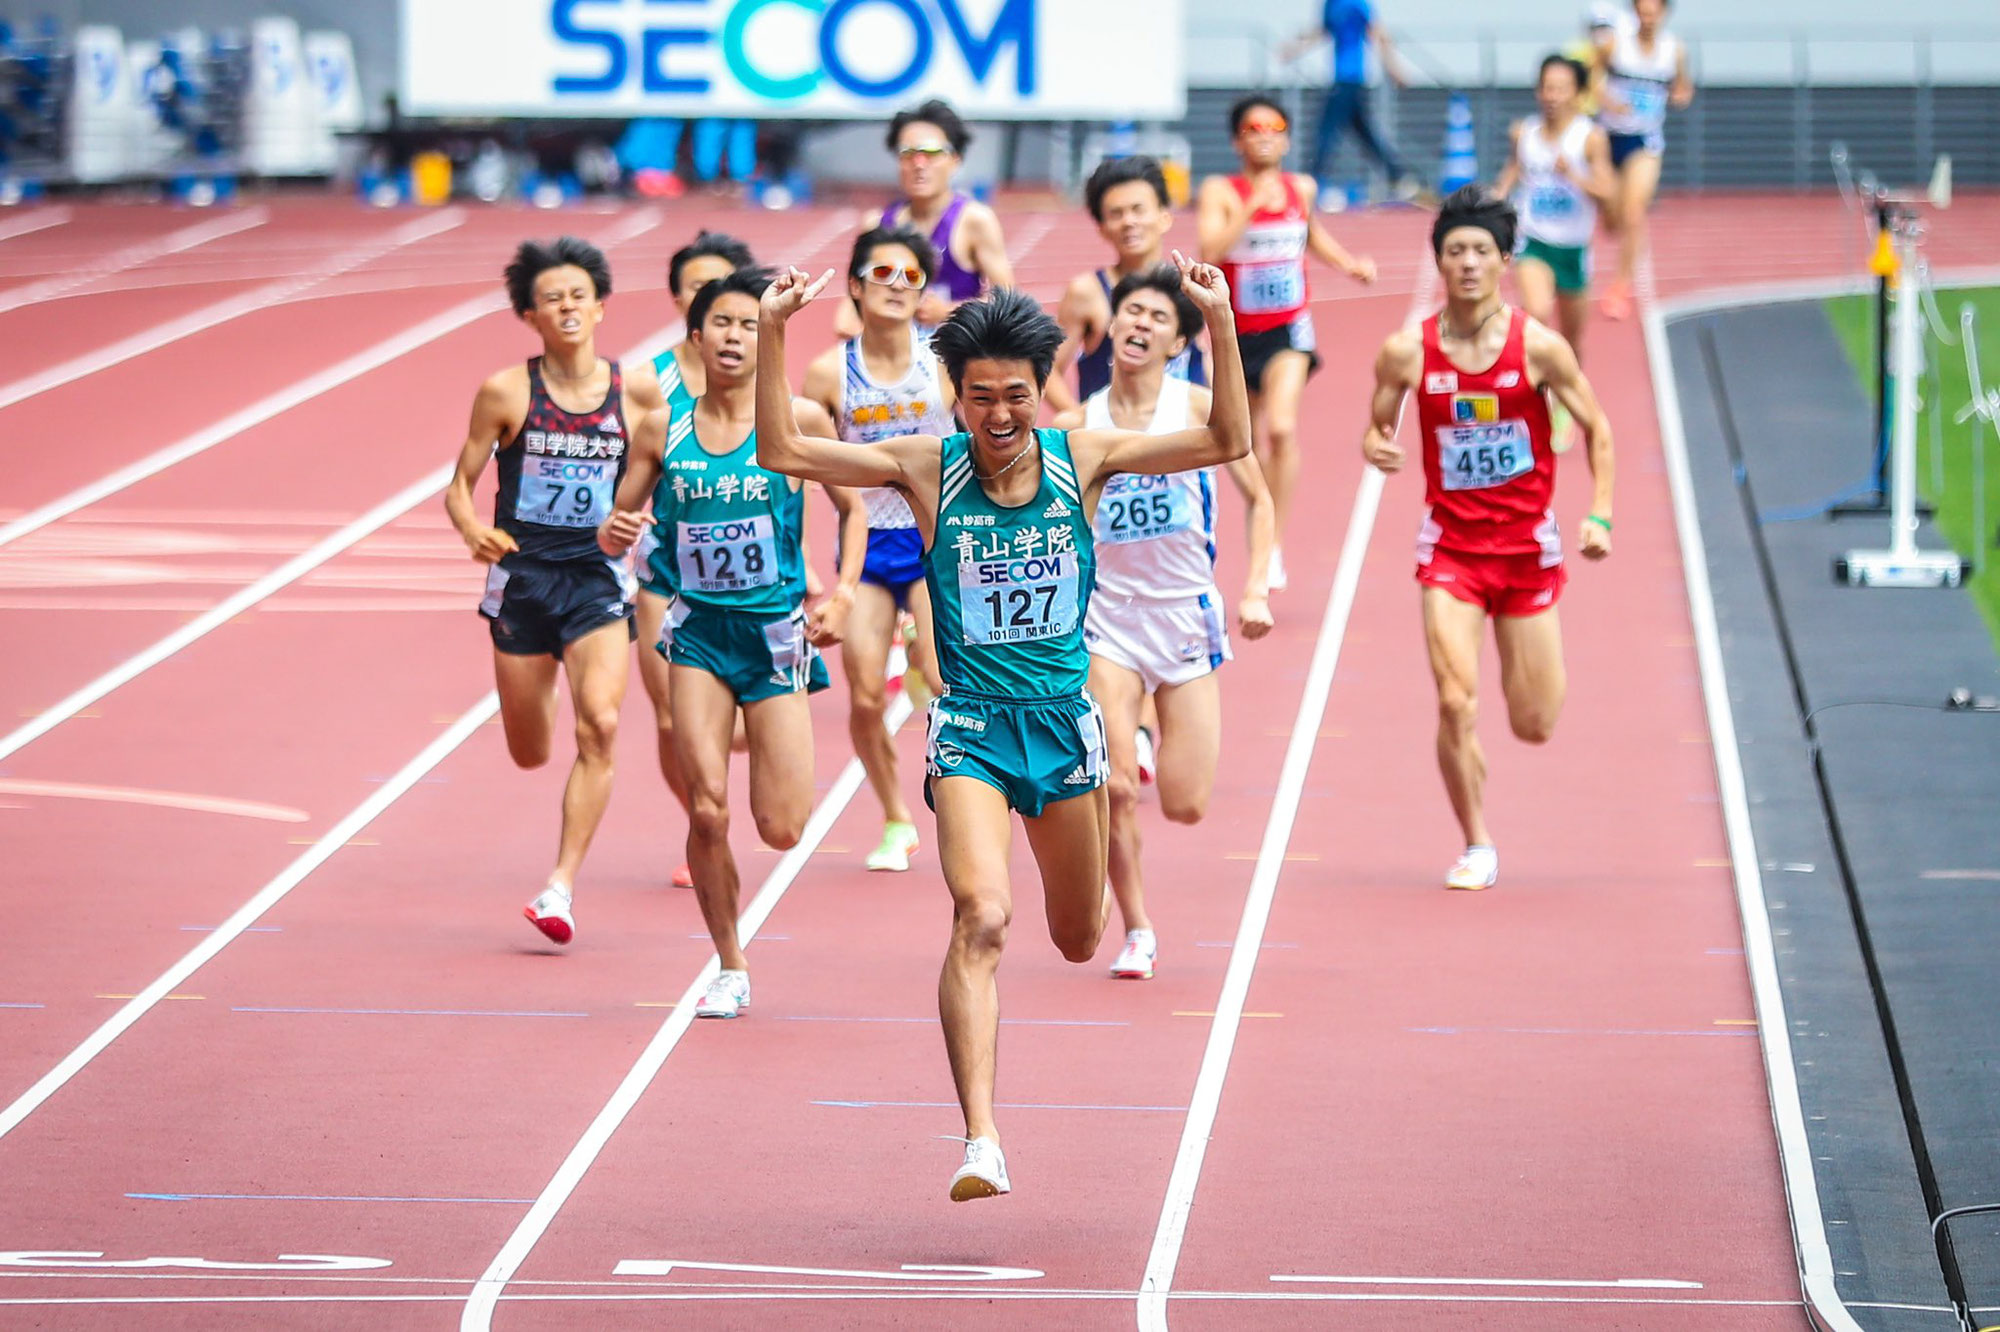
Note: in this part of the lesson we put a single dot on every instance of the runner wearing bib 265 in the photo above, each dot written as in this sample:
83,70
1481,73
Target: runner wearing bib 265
1005,510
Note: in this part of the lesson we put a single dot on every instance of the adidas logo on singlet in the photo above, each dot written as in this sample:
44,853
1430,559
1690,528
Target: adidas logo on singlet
609,425
1077,777
1056,509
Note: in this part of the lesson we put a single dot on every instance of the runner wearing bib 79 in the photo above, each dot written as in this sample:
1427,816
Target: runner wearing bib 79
1259,226
737,633
561,430
1157,626
1005,512
1488,547
1645,73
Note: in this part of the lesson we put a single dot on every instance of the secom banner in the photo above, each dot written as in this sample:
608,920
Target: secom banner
847,59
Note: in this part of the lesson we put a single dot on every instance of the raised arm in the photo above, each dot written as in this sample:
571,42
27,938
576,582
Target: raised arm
1223,438
496,409
1397,366
1552,363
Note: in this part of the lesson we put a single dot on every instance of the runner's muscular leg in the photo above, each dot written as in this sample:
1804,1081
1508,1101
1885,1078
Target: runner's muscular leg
975,830
598,666
1453,630
1537,286
527,689
1070,842
864,655
654,672
1118,692
781,768
704,719
1573,312
923,652
1190,746
1278,447
1531,672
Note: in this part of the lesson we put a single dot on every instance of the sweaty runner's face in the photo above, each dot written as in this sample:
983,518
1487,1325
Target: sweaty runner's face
1263,139
925,163
1133,219
728,339
886,289
1556,93
1145,330
1000,400
1649,13
698,273
1470,262
566,310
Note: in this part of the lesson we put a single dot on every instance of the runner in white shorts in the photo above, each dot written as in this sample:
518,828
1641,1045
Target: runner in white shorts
1156,626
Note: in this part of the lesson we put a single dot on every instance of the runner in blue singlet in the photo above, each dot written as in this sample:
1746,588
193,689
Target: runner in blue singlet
561,430
1005,512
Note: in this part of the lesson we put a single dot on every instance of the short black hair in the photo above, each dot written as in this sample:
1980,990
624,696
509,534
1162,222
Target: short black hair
913,241
533,258
1244,106
1006,324
1474,206
707,245
1165,279
749,282
1575,67
934,112
1115,171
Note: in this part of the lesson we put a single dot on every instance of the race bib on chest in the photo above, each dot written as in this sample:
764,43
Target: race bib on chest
565,492
732,556
1268,288
1018,600
1475,457
1552,201
1141,508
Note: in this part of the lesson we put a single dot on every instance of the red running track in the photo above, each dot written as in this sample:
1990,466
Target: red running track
1436,1101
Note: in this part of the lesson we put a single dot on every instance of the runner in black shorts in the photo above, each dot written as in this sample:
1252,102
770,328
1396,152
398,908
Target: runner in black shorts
560,427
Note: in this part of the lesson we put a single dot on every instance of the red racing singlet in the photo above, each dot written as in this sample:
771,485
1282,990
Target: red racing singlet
1489,471
1266,267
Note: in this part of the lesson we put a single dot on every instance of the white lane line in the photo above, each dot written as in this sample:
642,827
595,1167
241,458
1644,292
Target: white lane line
1621,1283
1816,1268
29,223
249,913
223,611
916,1296
283,400
187,238
478,1313
1203,1104
138,344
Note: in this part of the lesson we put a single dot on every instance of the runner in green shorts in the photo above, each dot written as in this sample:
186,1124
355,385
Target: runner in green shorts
1004,511
737,634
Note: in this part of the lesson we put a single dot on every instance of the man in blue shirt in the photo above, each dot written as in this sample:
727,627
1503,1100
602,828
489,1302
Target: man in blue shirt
1350,25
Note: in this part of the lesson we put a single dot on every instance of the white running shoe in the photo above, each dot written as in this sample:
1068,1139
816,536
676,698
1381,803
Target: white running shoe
984,1174
1274,572
899,843
1149,763
1478,868
726,997
549,913
1135,959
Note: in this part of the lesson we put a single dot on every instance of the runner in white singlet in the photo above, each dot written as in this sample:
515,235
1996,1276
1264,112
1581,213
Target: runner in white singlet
884,384
1645,72
1156,626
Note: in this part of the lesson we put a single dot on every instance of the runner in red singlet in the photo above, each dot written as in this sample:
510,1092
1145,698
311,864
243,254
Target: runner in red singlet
1489,547
1259,227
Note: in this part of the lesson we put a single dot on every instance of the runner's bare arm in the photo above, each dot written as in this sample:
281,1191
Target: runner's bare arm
1510,175
632,508
1328,250
642,390
1070,418
1077,316
988,244
1682,95
1602,182
822,386
1552,364
827,624
909,462
1253,612
497,412
1223,438
1397,367
1220,219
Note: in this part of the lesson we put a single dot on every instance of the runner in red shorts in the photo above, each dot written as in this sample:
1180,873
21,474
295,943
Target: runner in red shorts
1489,548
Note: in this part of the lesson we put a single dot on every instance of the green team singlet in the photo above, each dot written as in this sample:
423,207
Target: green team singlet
1010,586
728,530
668,367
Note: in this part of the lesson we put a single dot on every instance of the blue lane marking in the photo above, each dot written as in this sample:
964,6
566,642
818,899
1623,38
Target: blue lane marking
23,1005
932,1022
1577,1031
408,1012
314,1197
1017,1105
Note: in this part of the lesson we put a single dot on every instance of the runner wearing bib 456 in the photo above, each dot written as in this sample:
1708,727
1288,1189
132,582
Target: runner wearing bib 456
1488,547
562,430
737,630
1005,510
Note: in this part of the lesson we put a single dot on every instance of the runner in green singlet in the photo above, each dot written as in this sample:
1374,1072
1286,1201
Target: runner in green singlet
1005,513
